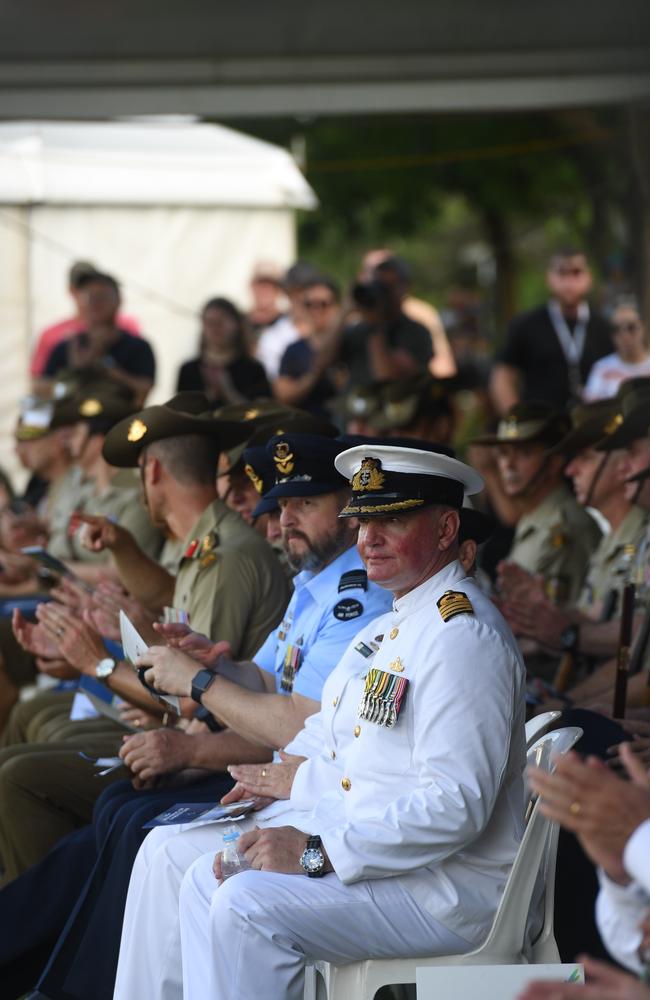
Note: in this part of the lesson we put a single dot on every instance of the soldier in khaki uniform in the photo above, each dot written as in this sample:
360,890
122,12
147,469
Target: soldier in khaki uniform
229,581
610,446
554,536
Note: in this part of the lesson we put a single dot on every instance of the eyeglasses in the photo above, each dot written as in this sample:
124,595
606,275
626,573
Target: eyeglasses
317,303
630,327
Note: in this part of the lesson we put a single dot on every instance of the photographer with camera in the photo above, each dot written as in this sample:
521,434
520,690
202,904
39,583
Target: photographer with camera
385,345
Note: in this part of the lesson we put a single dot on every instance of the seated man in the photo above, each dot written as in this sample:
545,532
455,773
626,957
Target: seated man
264,703
554,536
571,628
410,804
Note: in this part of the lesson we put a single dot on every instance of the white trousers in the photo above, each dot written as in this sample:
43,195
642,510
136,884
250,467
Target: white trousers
149,966
252,936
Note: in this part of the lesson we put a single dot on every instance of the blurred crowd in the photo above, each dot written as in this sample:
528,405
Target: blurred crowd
211,523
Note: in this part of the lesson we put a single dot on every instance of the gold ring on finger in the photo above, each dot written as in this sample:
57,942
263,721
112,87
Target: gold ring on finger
264,772
575,808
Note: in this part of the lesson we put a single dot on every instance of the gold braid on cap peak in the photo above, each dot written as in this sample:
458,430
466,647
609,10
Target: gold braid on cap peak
369,477
383,508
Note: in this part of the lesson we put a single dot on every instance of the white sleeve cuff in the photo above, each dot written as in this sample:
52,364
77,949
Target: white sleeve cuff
636,856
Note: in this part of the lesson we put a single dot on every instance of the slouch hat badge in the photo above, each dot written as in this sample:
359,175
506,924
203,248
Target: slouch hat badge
137,431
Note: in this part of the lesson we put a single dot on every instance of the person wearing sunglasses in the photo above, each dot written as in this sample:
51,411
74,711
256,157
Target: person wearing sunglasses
630,359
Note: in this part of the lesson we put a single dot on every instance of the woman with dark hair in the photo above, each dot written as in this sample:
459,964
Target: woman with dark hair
224,371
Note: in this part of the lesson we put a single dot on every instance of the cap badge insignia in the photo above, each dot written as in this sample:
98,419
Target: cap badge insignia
254,478
284,458
251,414
369,476
452,603
511,428
90,408
136,431
613,424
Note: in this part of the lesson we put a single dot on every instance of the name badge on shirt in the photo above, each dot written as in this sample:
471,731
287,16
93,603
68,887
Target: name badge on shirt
290,667
383,697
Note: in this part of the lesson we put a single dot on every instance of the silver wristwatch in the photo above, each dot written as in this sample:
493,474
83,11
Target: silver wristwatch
312,859
105,668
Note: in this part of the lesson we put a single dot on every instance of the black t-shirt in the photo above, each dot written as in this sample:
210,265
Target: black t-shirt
132,354
532,346
247,376
296,361
403,333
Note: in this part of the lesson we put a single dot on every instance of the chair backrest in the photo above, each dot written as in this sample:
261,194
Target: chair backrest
539,725
508,933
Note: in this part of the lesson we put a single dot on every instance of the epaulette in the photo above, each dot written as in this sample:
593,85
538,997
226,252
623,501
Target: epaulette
353,579
452,603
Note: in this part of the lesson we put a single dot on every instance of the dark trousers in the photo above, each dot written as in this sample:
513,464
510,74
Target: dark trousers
576,883
69,907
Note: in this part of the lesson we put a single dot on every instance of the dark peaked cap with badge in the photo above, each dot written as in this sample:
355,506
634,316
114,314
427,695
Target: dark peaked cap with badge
304,465
125,441
395,480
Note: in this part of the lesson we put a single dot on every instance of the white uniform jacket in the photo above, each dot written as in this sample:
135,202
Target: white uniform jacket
437,799
620,909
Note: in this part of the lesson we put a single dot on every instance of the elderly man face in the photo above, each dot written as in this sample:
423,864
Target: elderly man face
403,551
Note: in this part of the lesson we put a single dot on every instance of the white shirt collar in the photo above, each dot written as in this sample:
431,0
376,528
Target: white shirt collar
444,579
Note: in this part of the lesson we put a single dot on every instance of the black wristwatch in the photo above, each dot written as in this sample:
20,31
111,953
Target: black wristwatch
312,859
201,682
570,639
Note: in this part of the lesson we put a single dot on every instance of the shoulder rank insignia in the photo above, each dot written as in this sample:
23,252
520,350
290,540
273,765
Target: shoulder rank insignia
353,579
452,603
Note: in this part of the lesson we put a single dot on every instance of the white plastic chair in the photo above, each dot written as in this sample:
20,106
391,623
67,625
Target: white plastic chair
508,941
539,725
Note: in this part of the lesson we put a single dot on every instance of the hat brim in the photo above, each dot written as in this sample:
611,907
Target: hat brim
125,441
267,505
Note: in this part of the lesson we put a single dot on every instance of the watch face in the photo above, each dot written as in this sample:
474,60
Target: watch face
312,859
105,668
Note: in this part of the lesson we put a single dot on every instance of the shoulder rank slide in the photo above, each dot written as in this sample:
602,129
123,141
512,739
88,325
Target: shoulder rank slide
452,603
353,579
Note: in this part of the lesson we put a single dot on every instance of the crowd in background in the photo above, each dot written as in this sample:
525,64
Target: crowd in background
558,425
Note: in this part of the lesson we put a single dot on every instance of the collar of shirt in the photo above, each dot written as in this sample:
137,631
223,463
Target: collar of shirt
426,594
209,519
553,503
323,585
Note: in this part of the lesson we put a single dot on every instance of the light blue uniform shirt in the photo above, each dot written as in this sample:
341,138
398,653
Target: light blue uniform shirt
326,611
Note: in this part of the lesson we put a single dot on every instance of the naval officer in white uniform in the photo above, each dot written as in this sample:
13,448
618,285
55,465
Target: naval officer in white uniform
404,819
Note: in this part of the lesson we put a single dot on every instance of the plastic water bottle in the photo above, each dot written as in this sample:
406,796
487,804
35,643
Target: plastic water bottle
231,859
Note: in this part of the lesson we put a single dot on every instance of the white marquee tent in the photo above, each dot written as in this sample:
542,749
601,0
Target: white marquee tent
177,211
